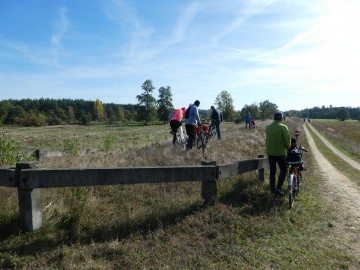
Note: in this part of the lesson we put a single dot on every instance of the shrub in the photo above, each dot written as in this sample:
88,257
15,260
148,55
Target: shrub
71,146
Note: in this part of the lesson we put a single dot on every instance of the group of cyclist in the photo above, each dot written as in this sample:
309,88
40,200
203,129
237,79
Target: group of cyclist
278,143
192,119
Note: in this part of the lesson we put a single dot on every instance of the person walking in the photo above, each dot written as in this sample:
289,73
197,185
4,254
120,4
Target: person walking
247,120
277,143
190,123
216,119
175,121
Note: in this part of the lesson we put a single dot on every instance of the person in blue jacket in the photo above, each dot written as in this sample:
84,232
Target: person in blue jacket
190,123
247,120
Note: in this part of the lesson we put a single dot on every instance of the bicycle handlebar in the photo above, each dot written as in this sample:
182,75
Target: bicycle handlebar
302,149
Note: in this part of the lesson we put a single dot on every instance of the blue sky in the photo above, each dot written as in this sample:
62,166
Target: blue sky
298,54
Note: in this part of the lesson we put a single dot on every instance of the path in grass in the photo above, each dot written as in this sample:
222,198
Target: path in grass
351,162
340,190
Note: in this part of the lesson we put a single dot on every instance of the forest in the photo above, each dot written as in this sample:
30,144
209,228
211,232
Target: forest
39,112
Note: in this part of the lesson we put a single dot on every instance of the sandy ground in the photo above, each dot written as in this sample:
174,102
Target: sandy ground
342,191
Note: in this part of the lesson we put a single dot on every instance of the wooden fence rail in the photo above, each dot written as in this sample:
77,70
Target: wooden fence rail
29,180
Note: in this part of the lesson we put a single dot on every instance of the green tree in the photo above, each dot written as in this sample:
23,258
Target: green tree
224,103
267,109
164,102
343,114
253,109
147,101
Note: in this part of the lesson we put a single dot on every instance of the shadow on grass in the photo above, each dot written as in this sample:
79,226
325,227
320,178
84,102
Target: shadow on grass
43,241
252,197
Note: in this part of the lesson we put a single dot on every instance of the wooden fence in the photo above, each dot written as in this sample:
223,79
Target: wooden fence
29,180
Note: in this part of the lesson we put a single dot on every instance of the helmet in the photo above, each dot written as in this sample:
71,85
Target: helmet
278,116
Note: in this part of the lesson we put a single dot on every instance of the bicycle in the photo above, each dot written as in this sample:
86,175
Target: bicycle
212,130
294,177
181,137
201,132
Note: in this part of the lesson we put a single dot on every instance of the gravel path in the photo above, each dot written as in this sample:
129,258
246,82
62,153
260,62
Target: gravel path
340,190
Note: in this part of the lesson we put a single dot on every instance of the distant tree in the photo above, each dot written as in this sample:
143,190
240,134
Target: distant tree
224,103
147,101
253,109
343,114
267,109
99,109
164,102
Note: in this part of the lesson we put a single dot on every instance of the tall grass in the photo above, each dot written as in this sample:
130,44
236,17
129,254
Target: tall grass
162,226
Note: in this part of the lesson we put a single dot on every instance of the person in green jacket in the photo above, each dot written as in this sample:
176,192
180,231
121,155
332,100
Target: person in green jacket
277,143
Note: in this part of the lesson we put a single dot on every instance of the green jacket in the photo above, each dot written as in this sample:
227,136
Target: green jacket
277,139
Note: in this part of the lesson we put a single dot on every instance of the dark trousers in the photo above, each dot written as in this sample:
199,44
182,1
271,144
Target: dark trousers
190,131
281,162
174,124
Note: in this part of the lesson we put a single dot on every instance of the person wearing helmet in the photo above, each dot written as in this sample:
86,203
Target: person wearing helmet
190,123
277,143
175,121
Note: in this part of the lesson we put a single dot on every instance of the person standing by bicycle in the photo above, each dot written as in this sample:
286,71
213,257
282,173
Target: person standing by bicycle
277,143
190,123
247,120
175,121
216,120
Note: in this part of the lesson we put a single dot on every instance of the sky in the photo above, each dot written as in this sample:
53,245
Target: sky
297,54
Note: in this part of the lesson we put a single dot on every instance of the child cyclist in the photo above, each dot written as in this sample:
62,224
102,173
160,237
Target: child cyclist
294,154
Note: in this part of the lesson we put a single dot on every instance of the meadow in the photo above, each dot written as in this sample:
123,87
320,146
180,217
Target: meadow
343,134
163,226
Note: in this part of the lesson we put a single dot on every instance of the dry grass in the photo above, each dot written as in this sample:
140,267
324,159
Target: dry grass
161,226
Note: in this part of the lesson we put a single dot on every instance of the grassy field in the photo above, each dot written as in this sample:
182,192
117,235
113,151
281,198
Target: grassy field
345,135
162,226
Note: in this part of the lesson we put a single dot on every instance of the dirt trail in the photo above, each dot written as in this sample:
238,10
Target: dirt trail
353,163
340,190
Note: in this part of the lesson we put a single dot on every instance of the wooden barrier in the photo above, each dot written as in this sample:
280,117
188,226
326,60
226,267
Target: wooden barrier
29,180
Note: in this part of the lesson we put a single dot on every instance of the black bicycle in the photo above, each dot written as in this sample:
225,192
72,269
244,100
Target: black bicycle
294,177
201,137
212,130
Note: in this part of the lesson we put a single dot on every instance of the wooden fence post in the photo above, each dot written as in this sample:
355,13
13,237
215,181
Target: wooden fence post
261,170
29,199
209,187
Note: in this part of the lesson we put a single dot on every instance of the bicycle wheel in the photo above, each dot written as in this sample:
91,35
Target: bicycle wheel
298,182
291,190
203,143
212,132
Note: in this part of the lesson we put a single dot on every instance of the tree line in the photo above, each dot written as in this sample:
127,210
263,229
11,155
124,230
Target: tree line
39,112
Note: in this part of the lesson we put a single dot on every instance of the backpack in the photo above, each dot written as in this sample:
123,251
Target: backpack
171,115
187,112
293,155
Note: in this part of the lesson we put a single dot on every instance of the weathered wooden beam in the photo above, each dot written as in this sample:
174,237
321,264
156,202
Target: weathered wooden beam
7,178
47,178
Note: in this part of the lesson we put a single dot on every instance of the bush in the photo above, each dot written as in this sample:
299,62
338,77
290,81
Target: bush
8,150
71,146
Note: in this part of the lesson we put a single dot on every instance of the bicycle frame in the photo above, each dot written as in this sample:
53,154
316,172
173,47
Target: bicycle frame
294,178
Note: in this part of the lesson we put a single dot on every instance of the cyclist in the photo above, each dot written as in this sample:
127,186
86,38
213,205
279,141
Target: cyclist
190,123
293,154
216,120
175,121
277,143
253,122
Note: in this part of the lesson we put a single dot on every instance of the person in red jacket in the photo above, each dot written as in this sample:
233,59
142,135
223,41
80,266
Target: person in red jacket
175,121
